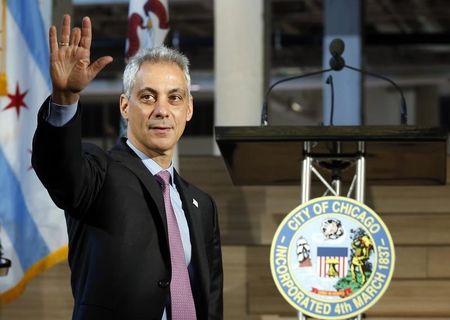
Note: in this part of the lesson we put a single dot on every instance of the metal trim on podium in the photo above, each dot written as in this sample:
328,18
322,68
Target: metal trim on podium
340,158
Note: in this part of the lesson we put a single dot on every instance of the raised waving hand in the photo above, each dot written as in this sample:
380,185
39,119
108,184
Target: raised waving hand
71,69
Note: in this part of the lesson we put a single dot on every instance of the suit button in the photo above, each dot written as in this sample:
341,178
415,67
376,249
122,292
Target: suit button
163,283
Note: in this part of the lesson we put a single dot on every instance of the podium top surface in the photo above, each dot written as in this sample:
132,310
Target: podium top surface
272,155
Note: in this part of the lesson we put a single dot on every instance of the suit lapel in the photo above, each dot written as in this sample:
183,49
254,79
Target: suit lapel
122,153
193,216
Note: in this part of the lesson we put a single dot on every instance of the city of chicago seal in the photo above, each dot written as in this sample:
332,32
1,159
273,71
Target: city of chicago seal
332,258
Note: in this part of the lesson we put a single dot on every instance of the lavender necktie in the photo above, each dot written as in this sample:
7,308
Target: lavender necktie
182,301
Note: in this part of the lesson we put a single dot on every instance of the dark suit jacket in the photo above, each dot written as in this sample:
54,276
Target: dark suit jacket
118,244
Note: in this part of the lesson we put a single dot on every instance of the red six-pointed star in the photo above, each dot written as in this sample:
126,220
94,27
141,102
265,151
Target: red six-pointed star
17,100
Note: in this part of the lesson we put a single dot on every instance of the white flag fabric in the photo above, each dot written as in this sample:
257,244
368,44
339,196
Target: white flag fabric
148,25
32,229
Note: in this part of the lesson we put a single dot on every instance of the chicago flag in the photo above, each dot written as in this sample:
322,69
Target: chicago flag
32,229
148,25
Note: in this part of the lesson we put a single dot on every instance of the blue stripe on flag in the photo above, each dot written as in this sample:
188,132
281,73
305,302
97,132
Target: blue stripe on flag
17,221
331,252
28,17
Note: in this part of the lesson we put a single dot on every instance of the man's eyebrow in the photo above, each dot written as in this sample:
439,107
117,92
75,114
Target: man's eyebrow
155,92
178,90
147,89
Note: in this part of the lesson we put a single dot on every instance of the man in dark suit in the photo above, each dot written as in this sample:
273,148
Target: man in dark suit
122,214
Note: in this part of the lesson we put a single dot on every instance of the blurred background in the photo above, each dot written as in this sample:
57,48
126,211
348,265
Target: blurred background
407,41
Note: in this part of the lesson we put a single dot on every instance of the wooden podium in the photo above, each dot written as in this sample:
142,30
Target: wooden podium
336,156
273,155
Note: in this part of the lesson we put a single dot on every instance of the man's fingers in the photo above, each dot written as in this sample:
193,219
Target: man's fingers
75,37
98,65
52,39
86,33
65,29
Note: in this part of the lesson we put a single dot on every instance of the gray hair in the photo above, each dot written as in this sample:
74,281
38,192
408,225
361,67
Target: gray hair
160,54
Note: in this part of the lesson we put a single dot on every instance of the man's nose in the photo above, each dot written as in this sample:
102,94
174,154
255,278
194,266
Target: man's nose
162,108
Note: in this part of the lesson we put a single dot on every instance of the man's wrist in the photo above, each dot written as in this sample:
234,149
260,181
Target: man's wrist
65,98
60,115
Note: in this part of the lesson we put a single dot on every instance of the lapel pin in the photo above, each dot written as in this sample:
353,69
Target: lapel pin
195,202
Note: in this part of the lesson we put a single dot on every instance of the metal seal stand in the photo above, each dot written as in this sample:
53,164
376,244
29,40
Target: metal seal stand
335,161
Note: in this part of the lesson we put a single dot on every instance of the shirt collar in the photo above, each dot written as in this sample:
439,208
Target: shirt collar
151,165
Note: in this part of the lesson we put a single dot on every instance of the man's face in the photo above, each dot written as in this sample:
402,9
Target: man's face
157,109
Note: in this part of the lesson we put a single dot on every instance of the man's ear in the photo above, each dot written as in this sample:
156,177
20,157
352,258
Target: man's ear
124,106
190,108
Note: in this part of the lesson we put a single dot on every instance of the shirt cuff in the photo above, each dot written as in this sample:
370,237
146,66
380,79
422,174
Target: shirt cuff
59,115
